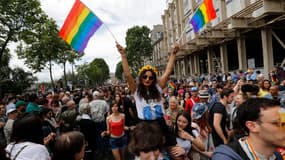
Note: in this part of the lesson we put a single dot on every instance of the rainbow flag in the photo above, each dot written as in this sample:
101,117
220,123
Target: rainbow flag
79,26
171,85
205,13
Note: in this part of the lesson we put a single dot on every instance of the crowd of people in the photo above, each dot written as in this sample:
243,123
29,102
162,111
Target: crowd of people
235,116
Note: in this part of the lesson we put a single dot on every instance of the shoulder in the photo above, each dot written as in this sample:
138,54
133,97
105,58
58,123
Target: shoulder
122,115
109,117
225,153
218,107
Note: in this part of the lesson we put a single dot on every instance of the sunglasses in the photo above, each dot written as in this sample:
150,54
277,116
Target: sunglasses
149,77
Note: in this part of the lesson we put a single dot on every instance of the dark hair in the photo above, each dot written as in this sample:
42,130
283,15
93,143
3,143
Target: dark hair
42,101
152,92
28,127
249,90
33,97
263,88
219,86
115,103
146,137
188,128
250,111
54,101
67,145
226,92
45,111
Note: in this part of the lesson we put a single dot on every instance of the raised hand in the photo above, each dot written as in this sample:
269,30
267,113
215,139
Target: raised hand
176,48
121,49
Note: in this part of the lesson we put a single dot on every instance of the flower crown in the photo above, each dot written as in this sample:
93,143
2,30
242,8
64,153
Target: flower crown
148,68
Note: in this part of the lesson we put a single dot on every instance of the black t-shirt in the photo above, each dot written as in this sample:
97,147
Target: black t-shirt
219,108
129,120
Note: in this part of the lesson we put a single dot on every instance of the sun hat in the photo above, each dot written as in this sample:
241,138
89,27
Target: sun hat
10,111
199,109
203,94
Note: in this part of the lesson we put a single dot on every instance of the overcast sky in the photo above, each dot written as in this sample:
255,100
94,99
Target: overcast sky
118,15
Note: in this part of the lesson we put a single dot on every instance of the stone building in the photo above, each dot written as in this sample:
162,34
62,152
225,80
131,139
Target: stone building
245,34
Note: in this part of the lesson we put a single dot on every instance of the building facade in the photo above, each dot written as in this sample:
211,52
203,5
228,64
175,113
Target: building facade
245,34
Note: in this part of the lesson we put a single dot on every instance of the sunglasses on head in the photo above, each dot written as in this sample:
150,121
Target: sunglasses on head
149,77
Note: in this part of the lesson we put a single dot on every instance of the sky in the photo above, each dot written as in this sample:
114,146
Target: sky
117,15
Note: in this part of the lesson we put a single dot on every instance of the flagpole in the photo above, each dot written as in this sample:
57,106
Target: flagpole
181,35
110,31
101,21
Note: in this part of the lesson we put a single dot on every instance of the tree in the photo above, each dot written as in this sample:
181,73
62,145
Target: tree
82,75
138,46
43,48
21,80
119,71
18,19
67,55
98,71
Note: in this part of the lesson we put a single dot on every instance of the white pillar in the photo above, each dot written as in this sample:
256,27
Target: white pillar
224,58
241,53
267,50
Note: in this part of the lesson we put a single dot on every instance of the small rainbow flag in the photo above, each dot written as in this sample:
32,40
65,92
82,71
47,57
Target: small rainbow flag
205,13
171,85
273,79
79,26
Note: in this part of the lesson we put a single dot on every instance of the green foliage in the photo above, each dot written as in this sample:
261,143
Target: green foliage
119,71
18,19
42,47
96,72
21,80
18,82
138,46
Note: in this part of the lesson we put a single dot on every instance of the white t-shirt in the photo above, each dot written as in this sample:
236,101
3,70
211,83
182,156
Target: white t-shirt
32,151
186,144
149,111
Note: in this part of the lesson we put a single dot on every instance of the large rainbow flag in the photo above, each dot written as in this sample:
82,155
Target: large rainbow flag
205,13
79,26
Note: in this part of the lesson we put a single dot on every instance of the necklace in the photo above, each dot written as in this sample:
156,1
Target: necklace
250,149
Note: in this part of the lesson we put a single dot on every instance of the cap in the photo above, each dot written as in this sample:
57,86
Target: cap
20,103
180,91
10,110
96,93
203,94
191,84
194,89
199,109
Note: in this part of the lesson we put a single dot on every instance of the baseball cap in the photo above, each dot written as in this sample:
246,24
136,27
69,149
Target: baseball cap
20,103
194,89
96,93
199,109
10,110
203,94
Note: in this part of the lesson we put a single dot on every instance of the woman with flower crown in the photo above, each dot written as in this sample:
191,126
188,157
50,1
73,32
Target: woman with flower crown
147,93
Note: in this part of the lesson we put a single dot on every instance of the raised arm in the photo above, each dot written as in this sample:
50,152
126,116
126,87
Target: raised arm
164,78
126,68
